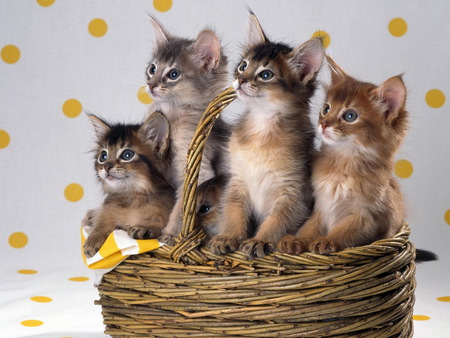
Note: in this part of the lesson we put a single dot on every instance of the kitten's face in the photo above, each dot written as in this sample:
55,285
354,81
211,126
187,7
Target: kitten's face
264,74
359,116
121,161
132,158
186,72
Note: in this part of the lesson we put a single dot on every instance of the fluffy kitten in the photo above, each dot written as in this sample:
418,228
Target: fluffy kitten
358,200
131,161
269,193
182,78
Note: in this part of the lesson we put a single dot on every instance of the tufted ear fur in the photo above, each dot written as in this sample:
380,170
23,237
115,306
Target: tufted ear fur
255,34
207,50
101,128
337,73
392,92
308,59
161,36
155,130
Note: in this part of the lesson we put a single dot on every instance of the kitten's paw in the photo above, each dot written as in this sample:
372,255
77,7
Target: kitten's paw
144,232
254,248
168,239
88,219
221,245
291,245
324,246
93,244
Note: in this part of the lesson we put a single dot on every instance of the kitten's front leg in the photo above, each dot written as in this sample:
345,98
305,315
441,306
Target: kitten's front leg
352,230
308,232
233,226
173,227
101,228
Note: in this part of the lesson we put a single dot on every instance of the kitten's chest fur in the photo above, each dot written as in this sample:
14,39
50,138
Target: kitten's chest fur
267,158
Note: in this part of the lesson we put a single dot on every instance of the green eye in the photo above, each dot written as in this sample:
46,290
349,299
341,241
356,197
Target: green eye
243,66
326,109
103,156
174,74
350,115
266,75
127,155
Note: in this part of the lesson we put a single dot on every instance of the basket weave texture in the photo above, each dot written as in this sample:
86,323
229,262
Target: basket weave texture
186,291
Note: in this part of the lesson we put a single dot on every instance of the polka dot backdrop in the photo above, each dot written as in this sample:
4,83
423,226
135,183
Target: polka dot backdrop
68,57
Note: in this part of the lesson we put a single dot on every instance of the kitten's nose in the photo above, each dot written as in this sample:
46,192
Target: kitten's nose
324,125
151,87
241,80
107,167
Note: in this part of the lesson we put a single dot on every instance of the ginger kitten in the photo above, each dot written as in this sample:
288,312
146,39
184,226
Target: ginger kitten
358,201
130,163
183,77
270,148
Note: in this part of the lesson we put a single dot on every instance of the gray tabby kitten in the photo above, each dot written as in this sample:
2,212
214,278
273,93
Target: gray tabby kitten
182,78
269,194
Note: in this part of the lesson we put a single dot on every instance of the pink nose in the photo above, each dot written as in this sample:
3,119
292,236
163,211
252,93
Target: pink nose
151,87
241,80
324,125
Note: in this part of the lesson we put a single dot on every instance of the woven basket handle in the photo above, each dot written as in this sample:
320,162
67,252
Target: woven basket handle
191,236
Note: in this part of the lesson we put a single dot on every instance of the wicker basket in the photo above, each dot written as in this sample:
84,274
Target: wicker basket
186,291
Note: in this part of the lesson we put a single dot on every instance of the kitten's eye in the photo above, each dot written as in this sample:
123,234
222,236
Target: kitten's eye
326,109
103,157
174,74
350,116
151,70
266,75
204,209
127,155
243,66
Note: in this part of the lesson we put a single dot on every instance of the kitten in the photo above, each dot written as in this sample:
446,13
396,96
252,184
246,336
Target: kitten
209,194
358,200
182,78
131,161
269,193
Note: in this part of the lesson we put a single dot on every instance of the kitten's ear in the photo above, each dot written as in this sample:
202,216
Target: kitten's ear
155,130
207,50
393,93
161,35
101,128
337,73
256,34
308,59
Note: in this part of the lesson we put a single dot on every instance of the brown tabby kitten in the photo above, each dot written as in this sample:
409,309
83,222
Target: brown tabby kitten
131,161
182,78
358,200
269,193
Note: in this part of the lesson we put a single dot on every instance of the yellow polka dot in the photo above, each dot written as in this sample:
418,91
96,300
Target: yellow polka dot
18,240
27,272
397,27
45,3
4,139
79,279
162,5
10,54
447,216
324,37
420,317
444,299
32,323
74,192
435,98
403,168
143,95
41,299
72,108
98,27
